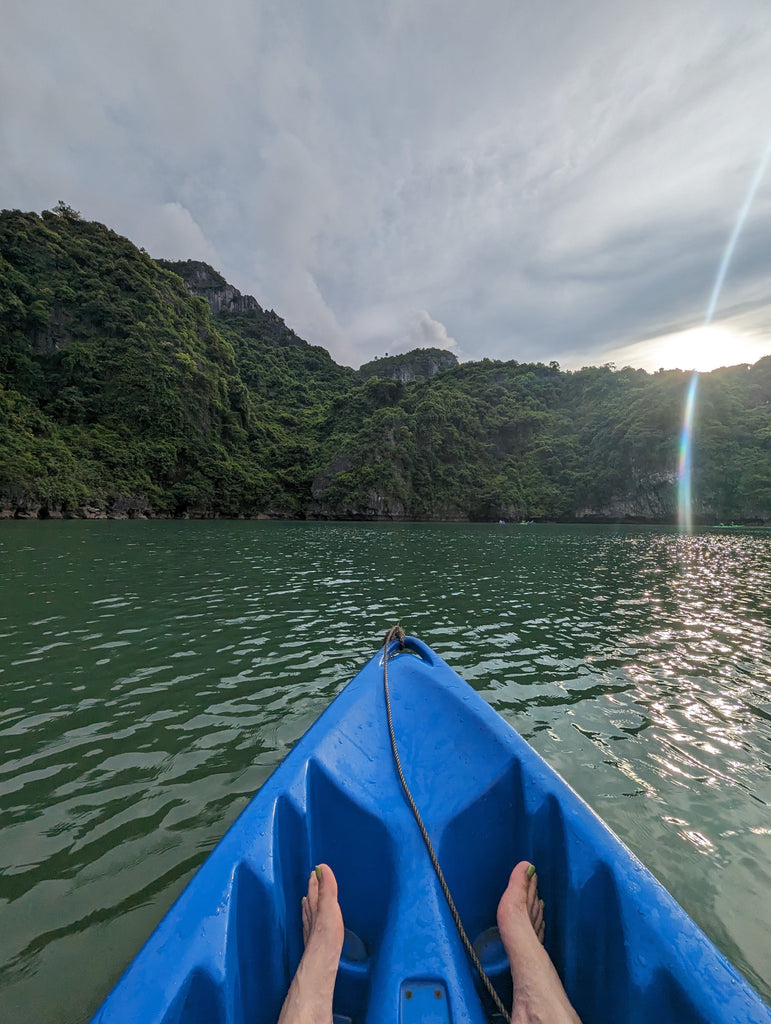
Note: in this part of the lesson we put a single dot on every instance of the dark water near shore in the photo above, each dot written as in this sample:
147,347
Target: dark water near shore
153,674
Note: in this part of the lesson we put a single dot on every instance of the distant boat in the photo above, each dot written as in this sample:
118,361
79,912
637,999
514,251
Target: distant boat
226,951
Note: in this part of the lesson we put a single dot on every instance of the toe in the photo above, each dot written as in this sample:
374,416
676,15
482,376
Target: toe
313,892
536,917
326,887
532,895
513,905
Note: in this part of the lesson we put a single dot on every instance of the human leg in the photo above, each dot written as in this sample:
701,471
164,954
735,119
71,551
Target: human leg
539,997
309,1000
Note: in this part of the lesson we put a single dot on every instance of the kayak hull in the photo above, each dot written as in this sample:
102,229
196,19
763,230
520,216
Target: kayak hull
228,948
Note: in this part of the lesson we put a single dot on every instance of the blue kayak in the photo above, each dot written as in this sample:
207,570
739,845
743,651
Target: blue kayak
227,950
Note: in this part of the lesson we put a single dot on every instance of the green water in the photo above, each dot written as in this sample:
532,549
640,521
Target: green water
152,674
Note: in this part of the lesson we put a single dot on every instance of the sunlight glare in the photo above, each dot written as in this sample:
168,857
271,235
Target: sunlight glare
705,348
702,348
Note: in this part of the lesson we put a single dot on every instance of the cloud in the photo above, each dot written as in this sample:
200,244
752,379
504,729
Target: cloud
425,332
548,180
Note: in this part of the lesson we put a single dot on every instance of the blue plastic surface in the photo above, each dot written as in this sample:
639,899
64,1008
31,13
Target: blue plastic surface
226,951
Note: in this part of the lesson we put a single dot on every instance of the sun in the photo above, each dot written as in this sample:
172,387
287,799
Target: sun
702,348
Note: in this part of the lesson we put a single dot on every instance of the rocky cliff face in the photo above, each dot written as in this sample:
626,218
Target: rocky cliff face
16,503
654,499
204,281
420,362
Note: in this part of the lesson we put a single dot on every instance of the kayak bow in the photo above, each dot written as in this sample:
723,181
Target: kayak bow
226,951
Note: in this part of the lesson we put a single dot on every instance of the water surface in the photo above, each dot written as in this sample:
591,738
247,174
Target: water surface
152,674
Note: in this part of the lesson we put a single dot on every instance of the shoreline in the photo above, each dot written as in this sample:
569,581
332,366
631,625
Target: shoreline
91,513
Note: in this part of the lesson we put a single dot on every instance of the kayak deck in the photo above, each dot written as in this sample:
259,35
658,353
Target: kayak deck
228,948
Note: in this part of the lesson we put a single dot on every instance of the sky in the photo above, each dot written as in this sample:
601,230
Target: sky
510,179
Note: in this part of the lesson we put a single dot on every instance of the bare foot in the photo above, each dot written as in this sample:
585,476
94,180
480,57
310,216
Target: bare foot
539,997
309,1000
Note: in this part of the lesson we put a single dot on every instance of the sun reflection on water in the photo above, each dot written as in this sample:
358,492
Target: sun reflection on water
711,653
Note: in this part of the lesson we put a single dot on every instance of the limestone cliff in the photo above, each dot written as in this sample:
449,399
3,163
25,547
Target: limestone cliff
652,499
420,362
123,395
204,281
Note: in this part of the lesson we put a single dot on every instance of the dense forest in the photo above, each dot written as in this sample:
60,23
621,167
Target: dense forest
139,387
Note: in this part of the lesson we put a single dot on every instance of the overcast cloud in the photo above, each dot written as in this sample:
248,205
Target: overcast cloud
517,179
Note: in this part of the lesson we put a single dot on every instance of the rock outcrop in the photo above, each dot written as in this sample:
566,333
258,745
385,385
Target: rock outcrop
420,362
654,500
203,281
15,503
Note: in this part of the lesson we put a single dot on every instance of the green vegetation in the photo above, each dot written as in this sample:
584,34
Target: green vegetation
122,393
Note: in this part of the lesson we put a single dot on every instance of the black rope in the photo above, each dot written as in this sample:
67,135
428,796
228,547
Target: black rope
397,633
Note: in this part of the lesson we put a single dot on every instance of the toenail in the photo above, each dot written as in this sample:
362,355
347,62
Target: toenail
318,872
531,871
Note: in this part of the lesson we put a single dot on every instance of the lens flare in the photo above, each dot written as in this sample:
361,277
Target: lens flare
742,217
684,509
